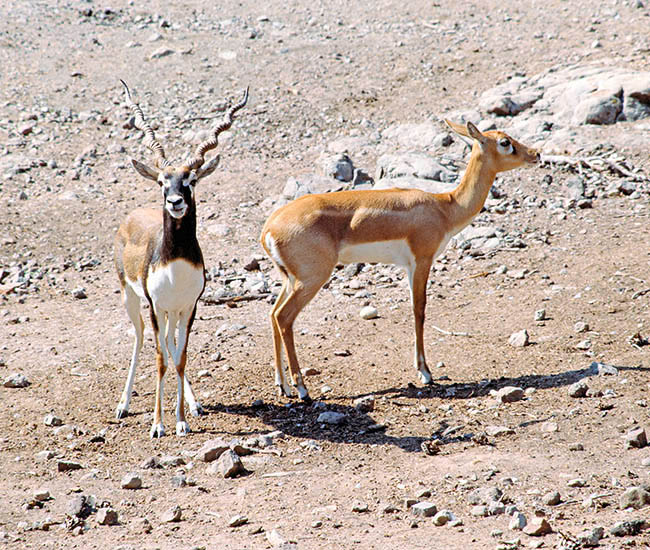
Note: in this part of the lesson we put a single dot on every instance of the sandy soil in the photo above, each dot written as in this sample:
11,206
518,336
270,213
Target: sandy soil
317,72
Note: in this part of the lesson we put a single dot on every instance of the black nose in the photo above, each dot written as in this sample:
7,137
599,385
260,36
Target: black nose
175,201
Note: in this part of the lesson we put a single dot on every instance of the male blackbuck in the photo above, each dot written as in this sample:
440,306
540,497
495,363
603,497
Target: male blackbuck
158,258
307,238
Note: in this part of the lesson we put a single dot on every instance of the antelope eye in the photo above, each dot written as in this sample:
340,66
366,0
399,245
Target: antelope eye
505,143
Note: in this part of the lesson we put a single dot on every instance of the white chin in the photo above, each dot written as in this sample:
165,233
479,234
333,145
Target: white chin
176,213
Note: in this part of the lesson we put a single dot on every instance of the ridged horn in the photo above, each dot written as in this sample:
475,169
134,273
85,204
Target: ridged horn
149,138
210,143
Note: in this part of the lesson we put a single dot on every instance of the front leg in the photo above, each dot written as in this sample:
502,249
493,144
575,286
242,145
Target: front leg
418,277
157,427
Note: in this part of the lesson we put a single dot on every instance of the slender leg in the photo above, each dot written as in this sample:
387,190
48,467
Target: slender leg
418,277
180,360
159,324
300,296
284,388
132,305
196,409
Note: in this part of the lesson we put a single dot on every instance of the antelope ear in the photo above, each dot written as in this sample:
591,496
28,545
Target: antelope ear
457,128
208,168
474,132
469,131
144,170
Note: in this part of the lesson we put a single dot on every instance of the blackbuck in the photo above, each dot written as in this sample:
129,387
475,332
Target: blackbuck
309,236
158,259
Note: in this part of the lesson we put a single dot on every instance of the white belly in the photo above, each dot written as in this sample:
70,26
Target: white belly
176,286
395,252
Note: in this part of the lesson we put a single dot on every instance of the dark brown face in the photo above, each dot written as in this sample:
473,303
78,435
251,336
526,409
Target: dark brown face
178,190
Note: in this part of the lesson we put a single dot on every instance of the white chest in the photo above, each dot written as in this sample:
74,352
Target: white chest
395,252
176,286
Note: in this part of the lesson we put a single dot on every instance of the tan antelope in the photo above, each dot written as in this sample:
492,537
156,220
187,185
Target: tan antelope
158,259
307,238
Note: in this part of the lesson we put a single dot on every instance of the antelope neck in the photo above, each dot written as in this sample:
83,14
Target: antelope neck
472,191
179,238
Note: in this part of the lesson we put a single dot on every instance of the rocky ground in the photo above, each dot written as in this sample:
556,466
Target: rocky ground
538,314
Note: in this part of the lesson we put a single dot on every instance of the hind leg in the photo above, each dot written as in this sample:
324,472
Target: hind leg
132,304
285,315
284,388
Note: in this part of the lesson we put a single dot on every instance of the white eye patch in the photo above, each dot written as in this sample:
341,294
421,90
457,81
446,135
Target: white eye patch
504,147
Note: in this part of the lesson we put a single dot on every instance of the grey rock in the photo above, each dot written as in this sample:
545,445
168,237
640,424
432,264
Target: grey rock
628,528
42,456
228,465
338,166
151,463
212,450
365,404
172,515
424,509
510,394
634,497
332,417
131,481
307,184
601,369
590,538
633,109
575,188
578,389
52,420
517,522
479,511
41,495
179,480
552,499
360,507
237,521
417,136
538,527
107,516
162,52
275,538
443,517
637,97
599,107
417,165
496,508
368,313
485,495
473,232
500,105
576,482
540,315
16,380
81,506
498,430
172,461
68,466
519,339
636,439
581,326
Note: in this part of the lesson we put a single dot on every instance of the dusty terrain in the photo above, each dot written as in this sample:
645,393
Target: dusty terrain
318,72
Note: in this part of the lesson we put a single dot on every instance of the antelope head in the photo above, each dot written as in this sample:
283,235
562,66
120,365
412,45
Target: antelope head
177,182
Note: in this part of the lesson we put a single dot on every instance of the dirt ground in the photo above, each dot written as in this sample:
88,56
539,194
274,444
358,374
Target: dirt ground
318,71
